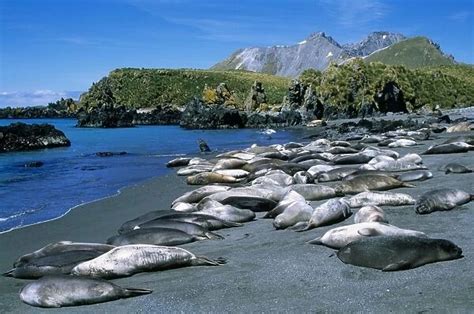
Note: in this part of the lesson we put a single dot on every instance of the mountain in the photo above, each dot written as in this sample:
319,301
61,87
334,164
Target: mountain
315,52
413,53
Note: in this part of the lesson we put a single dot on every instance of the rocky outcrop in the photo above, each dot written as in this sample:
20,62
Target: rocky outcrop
161,115
106,116
199,115
303,98
390,99
256,97
22,136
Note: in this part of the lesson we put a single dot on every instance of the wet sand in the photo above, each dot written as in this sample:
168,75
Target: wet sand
269,270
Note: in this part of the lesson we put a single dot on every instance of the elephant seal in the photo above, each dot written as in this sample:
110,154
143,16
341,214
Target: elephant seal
208,178
402,143
59,291
236,173
200,193
178,162
336,174
359,158
254,203
194,169
451,148
417,175
370,213
461,127
128,260
331,212
289,198
207,221
380,199
392,253
154,214
277,177
295,212
155,236
369,182
456,168
188,227
229,163
341,236
53,264
183,207
441,199
313,192
300,177
228,213
62,246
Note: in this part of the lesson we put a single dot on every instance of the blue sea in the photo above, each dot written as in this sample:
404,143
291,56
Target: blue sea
74,175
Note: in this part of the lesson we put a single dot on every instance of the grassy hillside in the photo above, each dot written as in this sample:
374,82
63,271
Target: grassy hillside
357,82
413,53
138,88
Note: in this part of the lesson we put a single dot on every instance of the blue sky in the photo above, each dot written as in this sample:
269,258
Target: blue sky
57,48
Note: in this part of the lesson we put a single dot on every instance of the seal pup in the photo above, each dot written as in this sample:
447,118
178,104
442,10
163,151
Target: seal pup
200,193
53,264
295,212
228,213
207,221
204,178
155,236
62,246
392,253
59,291
178,162
313,192
441,199
380,199
184,207
451,148
290,197
254,203
370,213
341,236
417,175
229,163
328,213
128,260
188,227
456,168
369,182
154,214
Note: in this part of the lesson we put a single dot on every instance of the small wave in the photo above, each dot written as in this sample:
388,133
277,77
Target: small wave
27,212
168,155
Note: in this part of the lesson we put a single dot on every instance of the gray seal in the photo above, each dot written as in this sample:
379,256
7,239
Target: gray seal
328,213
456,168
440,200
391,253
365,183
156,236
188,227
59,291
417,175
132,259
451,148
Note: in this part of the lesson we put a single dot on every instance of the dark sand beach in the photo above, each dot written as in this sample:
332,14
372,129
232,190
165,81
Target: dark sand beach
269,270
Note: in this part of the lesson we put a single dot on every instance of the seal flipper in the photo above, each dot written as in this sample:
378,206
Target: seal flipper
204,261
316,241
213,236
397,266
301,226
408,185
368,232
133,292
9,273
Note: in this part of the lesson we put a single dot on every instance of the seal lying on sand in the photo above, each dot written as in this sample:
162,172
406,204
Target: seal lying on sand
341,236
330,212
370,213
52,264
189,228
441,199
417,175
390,253
208,178
368,183
451,148
456,168
58,291
131,259
62,246
156,236
380,199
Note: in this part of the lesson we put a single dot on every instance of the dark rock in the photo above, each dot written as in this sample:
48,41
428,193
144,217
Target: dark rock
445,119
390,99
110,154
256,97
34,164
22,136
161,115
106,116
200,116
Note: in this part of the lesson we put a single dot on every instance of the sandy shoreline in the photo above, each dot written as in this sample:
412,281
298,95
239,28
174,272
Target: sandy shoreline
267,270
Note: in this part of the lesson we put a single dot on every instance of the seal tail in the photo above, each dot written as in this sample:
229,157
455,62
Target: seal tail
408,185
230,224
300,227
472,197
134,292
9,273
316,241
204,261
213,236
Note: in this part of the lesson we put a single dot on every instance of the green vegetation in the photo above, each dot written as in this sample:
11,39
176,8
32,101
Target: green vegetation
139,88
356,83
413,53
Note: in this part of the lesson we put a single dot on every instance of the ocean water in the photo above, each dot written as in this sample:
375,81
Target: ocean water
74,175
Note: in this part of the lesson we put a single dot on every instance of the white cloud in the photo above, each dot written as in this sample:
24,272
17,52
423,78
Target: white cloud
460,16
34,98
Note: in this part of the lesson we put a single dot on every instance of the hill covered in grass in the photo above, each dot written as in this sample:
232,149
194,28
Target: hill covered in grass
413,53
140,88
356,83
